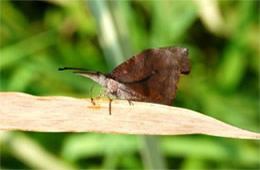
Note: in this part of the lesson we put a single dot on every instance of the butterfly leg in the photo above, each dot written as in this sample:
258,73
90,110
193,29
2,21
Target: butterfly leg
91,97
101,94
130,102
92,101
110,105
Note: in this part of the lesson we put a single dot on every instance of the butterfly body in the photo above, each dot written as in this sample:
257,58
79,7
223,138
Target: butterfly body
114,88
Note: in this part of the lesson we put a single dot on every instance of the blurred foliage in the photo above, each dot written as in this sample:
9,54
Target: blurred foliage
37,37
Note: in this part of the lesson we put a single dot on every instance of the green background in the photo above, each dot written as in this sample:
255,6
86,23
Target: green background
37,37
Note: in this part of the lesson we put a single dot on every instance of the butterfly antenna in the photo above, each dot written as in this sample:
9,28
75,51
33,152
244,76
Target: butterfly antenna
79,70
72,68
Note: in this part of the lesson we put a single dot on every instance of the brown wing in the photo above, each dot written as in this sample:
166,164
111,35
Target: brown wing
182,55
133,69
153,73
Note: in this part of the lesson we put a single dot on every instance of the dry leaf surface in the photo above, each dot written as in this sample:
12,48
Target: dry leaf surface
25,112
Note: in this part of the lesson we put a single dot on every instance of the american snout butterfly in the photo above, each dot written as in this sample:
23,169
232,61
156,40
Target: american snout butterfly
150,76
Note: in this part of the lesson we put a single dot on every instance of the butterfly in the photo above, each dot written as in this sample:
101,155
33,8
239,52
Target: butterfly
150,76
